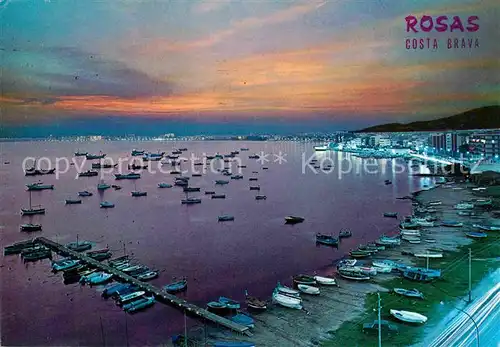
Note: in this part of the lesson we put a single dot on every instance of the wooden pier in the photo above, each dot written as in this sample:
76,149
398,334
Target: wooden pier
157,292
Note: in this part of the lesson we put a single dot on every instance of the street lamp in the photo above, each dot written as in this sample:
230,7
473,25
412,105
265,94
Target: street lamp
476,327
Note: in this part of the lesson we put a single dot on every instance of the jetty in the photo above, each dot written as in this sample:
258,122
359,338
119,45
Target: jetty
160,295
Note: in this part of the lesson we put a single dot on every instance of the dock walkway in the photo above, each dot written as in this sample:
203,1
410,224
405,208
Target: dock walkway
157,292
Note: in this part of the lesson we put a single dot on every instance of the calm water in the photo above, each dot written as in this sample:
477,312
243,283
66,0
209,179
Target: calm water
253,252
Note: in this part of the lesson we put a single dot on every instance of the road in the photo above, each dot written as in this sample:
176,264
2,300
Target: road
462,331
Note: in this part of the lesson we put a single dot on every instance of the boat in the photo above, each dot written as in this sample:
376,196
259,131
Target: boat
244,320
18,247
254,187
191,189
103,186
85,193
452,224
39,186
230,303
114,288
136,152
416,275
181,183
196,175
428,255
149,275
65,264
237,177
164,185
476,234
32,210
360,254
140,305
321,148
216,306
225,218
293,220
129,176
382,267
131,296
287,301
135,166
328,240
411,293
366,270
31,227
88,173
73,201
486,227
95,156
79,246
435,203
346,262
386,327
36,172
344,233
409,232
410,238
37,255
253,156
100,256
326,281
97,278
107,204
176,287
218,196
255,303
408,316
103,165
311,290
352,274
190,201
304,279
138,193
391,214
116,187
253,179
80,154
221,182
463,206
387,182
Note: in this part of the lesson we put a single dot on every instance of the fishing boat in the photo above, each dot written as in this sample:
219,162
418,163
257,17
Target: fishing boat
284,290
218,196
254,187
255,303
65,264
221,182
137,152
190,201
428,255
346,262
260,197
352,274
225,218
306,289
452,224
287,301
326,281
486,227
129,297
416,275
435,203
463,206
328,240
31,227
408,316
237,177
176,287
391,214
97,278
129,176
138,193
293,220
382,266
140,305
253,179
103,186
149,275
18,247
80,154
37,255
32,210
85,193
386,327
409,233
254,156
360,254
230,303
366,270
73,201
36,172
39,186
164,185
116,187
411,293
88,173
476,234
304,279
244,320
79,246
95,156
114,288
103,165
191,189
135,166
107,204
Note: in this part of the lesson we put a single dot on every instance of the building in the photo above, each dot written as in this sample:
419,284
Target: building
449,141
485,143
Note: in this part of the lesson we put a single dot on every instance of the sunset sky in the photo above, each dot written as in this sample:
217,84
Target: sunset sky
245,60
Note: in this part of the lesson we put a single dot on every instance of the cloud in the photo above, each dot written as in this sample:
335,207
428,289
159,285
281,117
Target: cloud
205,6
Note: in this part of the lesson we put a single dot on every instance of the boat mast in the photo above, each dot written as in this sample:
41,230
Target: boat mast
379,323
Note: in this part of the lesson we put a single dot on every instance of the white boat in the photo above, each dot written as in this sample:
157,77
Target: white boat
435,203
311,290
287,301
321,148
365,270
414,242
428,255
382,267
287,291
410,238
410,232
425,223
409,317
463,206
131,296
347,262
326,281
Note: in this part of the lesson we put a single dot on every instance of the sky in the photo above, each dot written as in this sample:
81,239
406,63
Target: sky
255,61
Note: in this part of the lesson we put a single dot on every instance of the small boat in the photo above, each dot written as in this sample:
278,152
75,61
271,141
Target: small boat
149,275
139,193
311,290
191,189
164,185
255,303
36,172
95,156
129,176
65,264
351,274
428,255
218,196
486,227
287,301
38,255
284,290
435,203
140,305
416,275
410,233
328,240
344,233
136,152
304,279
382,267
387,182
253,179
463,206
103,165
476,234
225,218
176,287
80,154
190,201
137,166
88,173
244,320
196,174
346,263
293,220
131,268
73,201
18,247
98,278
114,289
39,186
131,296
430,240
107,204
103,186
366,270
230,303
391,214
260,197
254,187
254,156
85,193
216,306
221,182
326,281
452,224
100,256
408,316
360,254
31,227
181,183
79,246
411,293
386,327
31,211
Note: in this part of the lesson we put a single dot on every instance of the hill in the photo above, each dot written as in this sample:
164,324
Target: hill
487,117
